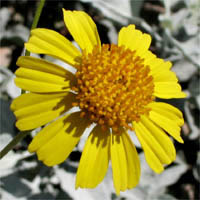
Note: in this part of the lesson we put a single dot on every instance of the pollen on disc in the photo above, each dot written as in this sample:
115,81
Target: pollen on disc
113,86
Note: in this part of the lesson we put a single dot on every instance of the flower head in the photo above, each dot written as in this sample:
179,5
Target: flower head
115,87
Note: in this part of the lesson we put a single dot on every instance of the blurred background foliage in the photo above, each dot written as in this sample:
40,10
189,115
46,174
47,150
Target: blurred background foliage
175,29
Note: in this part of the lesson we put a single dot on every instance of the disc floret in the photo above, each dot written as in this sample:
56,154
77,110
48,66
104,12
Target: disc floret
113,86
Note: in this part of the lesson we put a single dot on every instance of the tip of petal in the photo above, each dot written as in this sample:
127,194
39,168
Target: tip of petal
12,106
168,64
180,95
82,186
180,140
76,187
31,150
18,125
32,147
26,45
117,193
66,11
19,60
184,94
49,163
21,126
159,171
131,26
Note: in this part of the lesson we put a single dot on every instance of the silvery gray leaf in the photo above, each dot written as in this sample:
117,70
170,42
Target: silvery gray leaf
184,69
4,139
112,32
109,8
15,186
7,84
151,184
5,14
18,30
165,197
136,7
195,133
194,86
198,101
102,191
168,177
196,168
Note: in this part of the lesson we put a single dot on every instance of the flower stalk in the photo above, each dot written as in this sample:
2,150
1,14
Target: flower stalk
36,19
11,144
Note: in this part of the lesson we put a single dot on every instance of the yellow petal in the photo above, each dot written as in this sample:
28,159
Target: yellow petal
147,139
94,160
41,76
168,90
166,123
44,66
149,58
34,110
158,64
165,76
45,41
38,75
161,137
134,40
83,29
54,143
125,162
153,157
133,162
40,87
30,99
168,111
160,70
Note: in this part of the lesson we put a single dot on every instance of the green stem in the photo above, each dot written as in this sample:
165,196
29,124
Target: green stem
23,134
36,19
11,144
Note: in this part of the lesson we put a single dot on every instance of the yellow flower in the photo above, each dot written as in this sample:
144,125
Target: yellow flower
114,86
